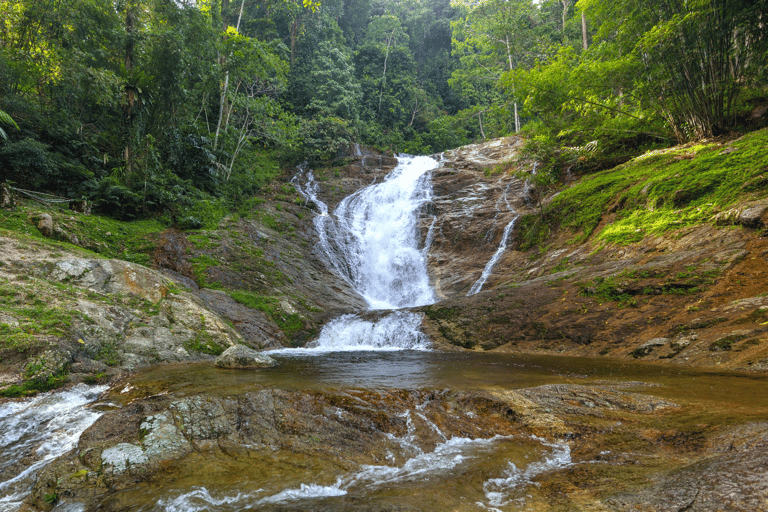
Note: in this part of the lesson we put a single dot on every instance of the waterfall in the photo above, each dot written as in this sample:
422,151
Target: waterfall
372,240
488,270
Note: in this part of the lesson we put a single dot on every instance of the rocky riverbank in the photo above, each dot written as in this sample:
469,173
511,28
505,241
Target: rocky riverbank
692,295
688,295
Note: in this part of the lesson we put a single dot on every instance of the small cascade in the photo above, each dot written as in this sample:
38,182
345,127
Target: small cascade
396,331
324,225
488,270
357,150
499,492
448,459
527,190
36,431
372,240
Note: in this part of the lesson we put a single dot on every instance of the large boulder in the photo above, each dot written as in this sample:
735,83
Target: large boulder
242,357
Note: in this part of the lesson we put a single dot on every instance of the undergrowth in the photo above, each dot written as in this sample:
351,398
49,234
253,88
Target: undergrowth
655,193
289,323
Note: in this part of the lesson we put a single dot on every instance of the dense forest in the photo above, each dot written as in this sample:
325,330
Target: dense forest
182,109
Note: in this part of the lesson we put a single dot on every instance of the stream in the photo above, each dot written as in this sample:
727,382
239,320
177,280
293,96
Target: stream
367,417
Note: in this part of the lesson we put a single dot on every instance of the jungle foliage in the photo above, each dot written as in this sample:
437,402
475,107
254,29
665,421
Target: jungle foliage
174,109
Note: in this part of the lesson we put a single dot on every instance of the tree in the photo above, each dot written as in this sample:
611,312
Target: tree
8,121
494,37
695,55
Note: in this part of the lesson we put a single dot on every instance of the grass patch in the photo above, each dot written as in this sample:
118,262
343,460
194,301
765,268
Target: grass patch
726,343
438,313
655,193
200,266
34,386
205,344
131,241
289,323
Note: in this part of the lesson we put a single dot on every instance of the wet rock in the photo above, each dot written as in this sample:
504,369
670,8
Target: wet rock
242,357
344,429
256,328
591,400
122,457
734,481
472,211
649,346
201,419
162,440
531,414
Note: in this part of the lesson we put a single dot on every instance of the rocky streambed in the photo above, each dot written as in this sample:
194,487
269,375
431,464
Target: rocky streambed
473,435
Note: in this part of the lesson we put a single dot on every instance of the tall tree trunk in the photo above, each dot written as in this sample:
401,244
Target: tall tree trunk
130,94
223,106
384,75
566,4
511,68
584,30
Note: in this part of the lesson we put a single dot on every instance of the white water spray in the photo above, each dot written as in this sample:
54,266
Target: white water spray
36,431
372,239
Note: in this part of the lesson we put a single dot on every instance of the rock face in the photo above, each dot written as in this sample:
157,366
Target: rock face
179,328
242,357
472,210
614,455
108,316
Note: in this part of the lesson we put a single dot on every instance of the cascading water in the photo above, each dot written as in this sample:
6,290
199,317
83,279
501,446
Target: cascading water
36,431
488,270
372,240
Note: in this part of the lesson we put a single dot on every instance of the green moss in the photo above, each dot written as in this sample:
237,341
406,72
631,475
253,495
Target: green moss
289,323
726,343
204,241
656,193
107,353
200,266
205,344
440,313
33,386
110,238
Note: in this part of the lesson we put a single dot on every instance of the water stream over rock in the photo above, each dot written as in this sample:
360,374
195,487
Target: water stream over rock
372,239
371,418
34,432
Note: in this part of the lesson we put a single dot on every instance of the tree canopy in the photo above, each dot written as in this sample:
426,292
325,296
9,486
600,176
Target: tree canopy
156,107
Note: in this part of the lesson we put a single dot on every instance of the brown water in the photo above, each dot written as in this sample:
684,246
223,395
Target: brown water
509,473
449,370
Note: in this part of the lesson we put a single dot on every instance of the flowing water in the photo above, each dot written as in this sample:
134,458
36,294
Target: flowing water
372,239
382,367
33,432
431,468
